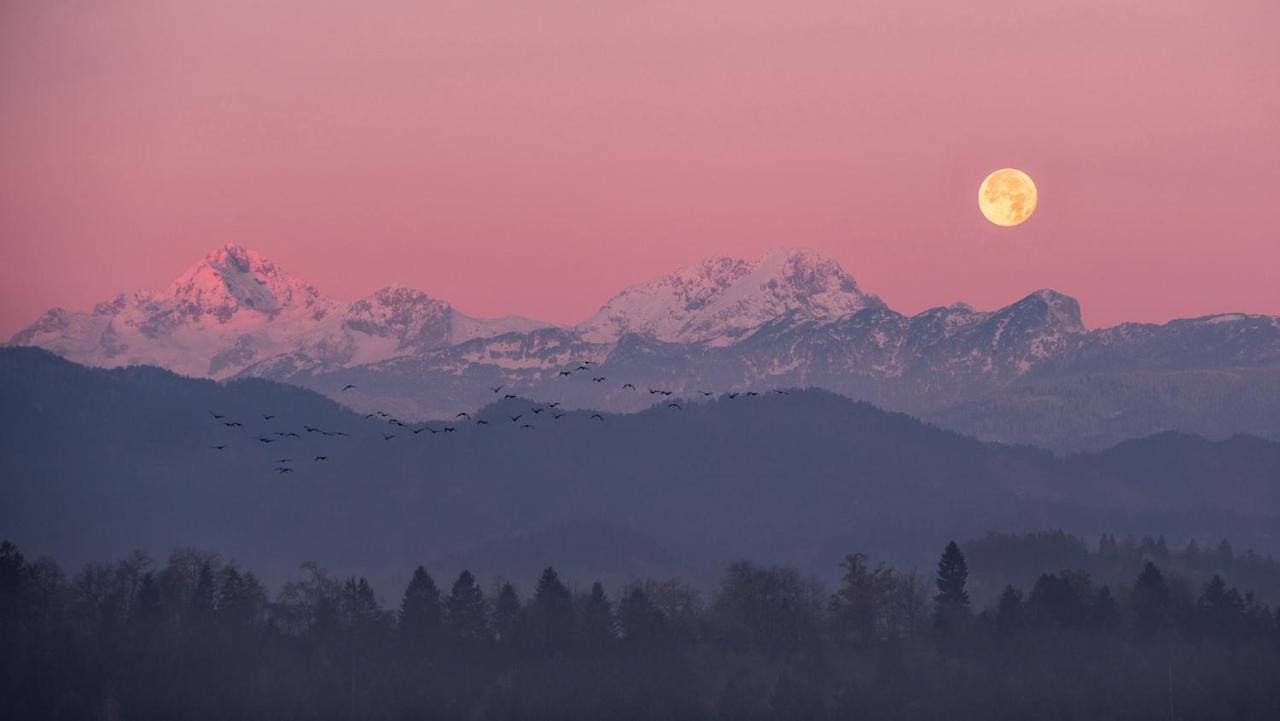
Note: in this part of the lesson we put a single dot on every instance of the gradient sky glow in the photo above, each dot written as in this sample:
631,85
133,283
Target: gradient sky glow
536,157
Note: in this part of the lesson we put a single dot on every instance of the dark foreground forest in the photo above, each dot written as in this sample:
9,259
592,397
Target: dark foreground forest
200,638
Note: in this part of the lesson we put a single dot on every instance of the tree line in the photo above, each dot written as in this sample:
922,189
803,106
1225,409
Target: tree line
200,637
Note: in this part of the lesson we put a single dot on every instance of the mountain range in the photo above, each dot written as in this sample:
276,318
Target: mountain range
1030,372
98,462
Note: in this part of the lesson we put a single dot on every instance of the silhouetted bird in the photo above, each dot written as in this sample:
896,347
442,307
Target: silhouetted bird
674,405
628,385
416,431
553,405
266,440
582,368
601,379
309,429
781,392
526,426
233,424
516,418
347,387
221,447
284,460
653,391
386,437
216,417
557,416
267,418
283,471
667,393
597,417
433,431
536,411
384,414
482,422
449,429
751,394
282,434
565,373
707,393
732,395
509,397
463,414
322,458
291,434
495,390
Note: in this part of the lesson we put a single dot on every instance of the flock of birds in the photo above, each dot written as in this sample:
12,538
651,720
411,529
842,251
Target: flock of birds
287,465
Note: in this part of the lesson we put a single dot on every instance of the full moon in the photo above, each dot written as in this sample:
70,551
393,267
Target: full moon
1007,197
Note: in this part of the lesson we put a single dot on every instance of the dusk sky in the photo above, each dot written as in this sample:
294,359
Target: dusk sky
534,158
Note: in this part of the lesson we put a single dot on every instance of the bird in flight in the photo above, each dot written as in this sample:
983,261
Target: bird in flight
536,411
347,387
582,368
282,470
233,424
628,385
463,414
416,431
597,417
291,434
674,405
781,392
496,389
386,437
707,393
266,440
220,447
309,429
284,460
752,394
371,415
732,395
516,418
267,418
565,373
482,422
526,425
216,417
449,429
557,416
553,405
600,379
508,397
322,458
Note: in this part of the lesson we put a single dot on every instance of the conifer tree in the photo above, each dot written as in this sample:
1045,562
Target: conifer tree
597,624
465,609
506,613
420,617
952,600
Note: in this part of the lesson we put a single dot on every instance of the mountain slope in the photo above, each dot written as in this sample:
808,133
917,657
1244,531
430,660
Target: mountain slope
792,318
98,462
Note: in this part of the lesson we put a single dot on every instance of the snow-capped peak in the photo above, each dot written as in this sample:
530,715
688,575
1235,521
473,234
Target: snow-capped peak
231,279
719,300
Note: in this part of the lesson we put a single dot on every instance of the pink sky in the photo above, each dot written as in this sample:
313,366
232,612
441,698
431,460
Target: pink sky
536,157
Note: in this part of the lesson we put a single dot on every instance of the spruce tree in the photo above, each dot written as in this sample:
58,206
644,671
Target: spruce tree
420,617
597,625
952,600
507,614
1150,600
552,611
465,609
